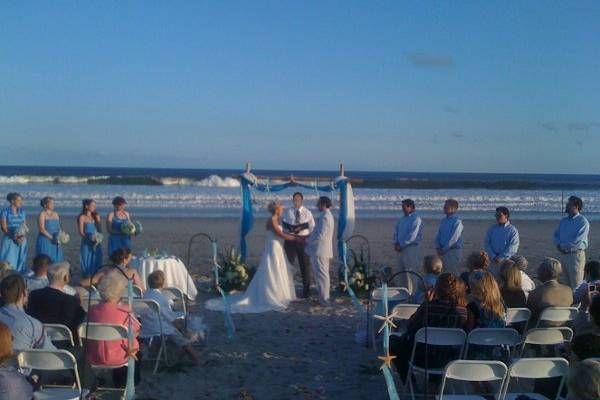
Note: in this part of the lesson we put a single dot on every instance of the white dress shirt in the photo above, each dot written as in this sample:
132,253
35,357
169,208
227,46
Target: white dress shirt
150,324
305,216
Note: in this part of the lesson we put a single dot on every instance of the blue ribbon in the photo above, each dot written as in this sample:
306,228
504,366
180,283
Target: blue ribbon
359,306
387,373
229,326
130,387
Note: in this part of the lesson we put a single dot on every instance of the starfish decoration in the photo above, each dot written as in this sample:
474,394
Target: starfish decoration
387,360
387,320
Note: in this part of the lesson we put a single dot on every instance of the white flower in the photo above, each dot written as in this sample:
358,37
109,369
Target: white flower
22,230
128,228
97,238
63,237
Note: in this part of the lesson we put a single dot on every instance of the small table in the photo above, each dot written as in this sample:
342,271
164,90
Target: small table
176,273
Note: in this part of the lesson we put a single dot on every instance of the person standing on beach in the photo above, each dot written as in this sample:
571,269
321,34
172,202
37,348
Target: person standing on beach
299,221
501,241
571,240
407,241
114,222
13,247
449,240
49,227
320,248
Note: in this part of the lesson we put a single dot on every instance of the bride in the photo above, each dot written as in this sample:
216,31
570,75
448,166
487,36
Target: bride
272,287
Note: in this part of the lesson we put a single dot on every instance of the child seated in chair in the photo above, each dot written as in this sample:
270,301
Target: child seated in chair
172,325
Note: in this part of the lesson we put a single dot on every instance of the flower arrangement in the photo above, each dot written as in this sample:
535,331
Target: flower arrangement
128,228
62,238
138,227
22,230
360,277
234,273
97,238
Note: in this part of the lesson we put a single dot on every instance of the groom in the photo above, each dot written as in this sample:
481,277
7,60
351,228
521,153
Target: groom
320,248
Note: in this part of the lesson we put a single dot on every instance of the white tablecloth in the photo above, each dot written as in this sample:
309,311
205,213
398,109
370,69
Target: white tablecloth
176,274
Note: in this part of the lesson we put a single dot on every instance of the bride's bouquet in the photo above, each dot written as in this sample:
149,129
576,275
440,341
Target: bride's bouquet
234,273
62,238
96,238
358,275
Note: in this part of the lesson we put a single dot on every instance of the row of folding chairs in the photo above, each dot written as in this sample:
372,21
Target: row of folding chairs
500,376
461,344
175,296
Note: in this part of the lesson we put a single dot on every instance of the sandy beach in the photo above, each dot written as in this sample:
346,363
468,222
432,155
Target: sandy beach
308,352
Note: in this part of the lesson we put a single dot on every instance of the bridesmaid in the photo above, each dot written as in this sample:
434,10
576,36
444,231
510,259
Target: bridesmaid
49,227
13,248
114,221
90,258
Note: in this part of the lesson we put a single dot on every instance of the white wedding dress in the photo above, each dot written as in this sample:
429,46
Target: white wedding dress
271,288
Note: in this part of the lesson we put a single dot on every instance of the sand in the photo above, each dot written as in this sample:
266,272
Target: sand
307,352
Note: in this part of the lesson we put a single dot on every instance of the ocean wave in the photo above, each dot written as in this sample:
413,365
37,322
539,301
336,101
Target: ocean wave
25,179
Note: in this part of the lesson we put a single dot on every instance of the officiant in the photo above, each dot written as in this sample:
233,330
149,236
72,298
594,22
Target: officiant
299,221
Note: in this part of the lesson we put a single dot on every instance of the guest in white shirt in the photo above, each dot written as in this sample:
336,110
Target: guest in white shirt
299,221
527,284
172,324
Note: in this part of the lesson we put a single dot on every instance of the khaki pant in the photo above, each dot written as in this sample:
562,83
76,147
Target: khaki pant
572,268
451,260
410,259
320,268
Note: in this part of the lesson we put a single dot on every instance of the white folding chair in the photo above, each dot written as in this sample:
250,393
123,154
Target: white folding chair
546,337
395,295
535,368
137,291
401,313
53,360
447,337
59,333
147,308
507,338
553,316
473,371
105,332
176,297
517,316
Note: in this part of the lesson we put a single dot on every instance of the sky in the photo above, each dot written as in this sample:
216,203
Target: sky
464,86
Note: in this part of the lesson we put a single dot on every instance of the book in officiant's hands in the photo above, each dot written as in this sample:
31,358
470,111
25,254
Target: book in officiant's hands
295,229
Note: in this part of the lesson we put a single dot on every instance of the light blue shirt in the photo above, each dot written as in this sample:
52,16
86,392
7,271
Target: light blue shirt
572,233
409,230
27,332
502,241
449,234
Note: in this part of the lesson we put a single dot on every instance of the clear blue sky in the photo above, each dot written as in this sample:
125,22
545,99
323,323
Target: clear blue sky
405,86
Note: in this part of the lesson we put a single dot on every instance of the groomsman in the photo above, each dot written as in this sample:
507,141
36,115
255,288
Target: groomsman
407,241
571,240
501,240
299,221
320,248
449,240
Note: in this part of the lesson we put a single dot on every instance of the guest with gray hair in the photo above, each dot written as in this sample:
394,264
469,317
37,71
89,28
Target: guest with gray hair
584,381
551,292
52,305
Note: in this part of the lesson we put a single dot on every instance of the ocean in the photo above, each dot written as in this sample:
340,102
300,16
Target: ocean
154,192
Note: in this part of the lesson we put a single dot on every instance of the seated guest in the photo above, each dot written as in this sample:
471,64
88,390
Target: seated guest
172,325
584,381
432,266
39,279
477,261
446,309
550,292
512,290
486,309
120,259
13,385
27,332
587,345
527,284
5,269
52,305
592,279
113,353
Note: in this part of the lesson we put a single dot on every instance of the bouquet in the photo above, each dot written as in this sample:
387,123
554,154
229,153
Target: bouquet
138,227
359,277
22,230
97,238
234,273
62,238
128,228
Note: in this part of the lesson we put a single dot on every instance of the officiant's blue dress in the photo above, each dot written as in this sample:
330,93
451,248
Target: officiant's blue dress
46,246
90,256
118,240
14,253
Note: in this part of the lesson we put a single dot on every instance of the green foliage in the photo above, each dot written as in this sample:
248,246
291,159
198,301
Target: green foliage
234,273
360,278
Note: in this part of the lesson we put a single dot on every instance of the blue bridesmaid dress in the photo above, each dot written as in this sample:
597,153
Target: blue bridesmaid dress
15,254
118,240
90,257
46,246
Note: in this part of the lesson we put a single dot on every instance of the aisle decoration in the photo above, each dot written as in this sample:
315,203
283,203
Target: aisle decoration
235,274
386,367
229,326
361,280
250,183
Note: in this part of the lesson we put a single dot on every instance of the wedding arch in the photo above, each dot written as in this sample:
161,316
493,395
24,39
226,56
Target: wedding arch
342,184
